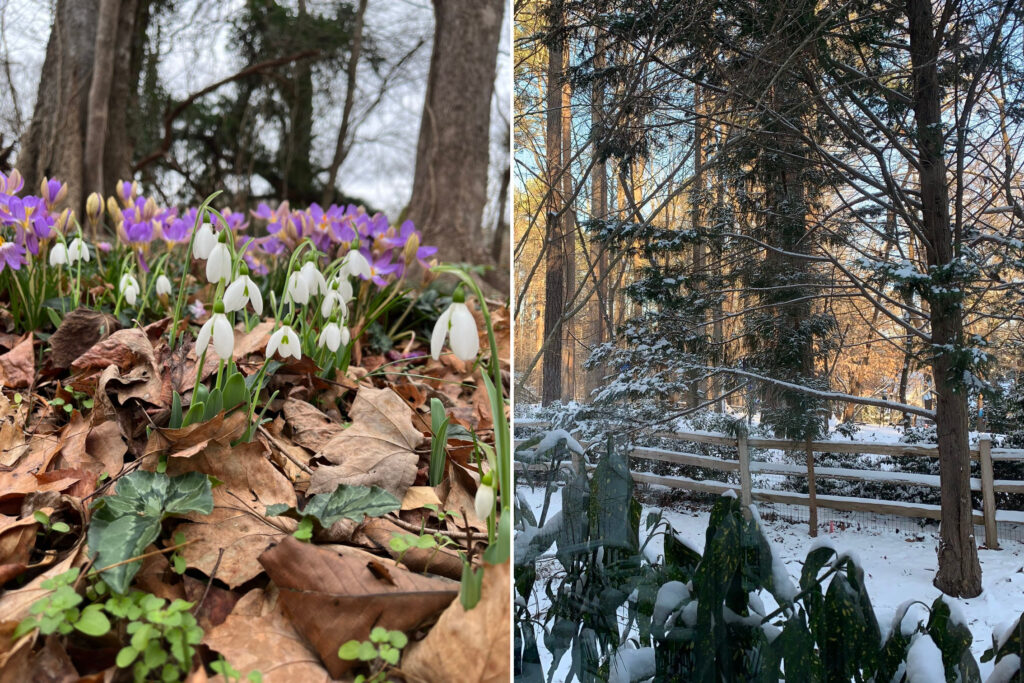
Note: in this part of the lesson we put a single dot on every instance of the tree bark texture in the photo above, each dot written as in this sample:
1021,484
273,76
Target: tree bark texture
55,143
959,571
450,182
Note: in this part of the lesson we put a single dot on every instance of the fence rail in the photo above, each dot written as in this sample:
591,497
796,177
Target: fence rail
983,452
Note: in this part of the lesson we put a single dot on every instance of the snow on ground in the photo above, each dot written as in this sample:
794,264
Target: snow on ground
897,567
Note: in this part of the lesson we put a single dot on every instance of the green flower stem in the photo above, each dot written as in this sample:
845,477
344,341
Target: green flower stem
186,262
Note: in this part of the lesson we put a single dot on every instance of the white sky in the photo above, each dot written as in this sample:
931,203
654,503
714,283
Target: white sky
380,166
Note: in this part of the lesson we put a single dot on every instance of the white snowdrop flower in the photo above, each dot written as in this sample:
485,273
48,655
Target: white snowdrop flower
286,342
331,337
313,277
130,289
163,286
219,328
458,324
218,263
58,255
242,291
356,264
205,241
296,291
338,295
484,501
78,250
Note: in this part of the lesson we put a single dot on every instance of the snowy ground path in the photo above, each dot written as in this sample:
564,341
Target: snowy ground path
898,566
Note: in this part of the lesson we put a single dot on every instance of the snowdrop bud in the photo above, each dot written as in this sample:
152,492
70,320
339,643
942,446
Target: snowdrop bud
356,264
204,242
218,263
94,207
330,337
484,501
286,342
78,250
58,254
459,325
129,288
297,291
163,286
314,278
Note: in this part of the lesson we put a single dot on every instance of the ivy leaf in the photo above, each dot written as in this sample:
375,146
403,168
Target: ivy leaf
125,523
349,502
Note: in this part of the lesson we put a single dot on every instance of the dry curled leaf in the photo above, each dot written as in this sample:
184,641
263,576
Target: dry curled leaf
470,646
377,450
332,598
79,331
310,428
17,366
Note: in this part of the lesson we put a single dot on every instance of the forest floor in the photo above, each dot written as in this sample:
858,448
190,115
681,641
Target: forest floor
898,566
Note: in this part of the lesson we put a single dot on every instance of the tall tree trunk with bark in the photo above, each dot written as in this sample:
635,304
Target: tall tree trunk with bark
959,570
67,102
598,332
554,275
450,183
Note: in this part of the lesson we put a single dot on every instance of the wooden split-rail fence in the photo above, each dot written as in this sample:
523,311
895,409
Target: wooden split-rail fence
983,452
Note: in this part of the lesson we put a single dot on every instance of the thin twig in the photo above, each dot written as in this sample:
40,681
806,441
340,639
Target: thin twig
274,442
216,566
143,556
461,535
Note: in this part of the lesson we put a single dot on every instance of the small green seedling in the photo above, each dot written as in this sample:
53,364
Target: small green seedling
48,526
383,649
232,674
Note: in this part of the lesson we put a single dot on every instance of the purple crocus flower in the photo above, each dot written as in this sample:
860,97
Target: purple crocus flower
381,267
12,255
53,191
11,184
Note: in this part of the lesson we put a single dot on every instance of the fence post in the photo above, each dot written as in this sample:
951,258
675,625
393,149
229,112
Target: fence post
988,494
812,493
744,457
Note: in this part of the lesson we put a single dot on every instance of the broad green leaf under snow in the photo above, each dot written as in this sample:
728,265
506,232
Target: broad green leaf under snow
349,502
125,523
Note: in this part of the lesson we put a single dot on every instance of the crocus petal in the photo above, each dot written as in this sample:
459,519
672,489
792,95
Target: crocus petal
223,336
439,333
203,340
464,339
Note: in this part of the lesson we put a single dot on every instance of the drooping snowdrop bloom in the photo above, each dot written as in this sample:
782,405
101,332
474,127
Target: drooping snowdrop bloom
296,291
314,278
484,500
58,255
242,291
333,336
163,286
219,328
286,342
356,264
459,325
205,241
339,293
78,251
218,263
130,288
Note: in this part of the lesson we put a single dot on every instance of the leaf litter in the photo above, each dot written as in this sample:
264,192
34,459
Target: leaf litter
328,450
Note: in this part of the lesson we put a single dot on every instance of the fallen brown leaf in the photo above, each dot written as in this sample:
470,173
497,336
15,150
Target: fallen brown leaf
333,598
377,450
418,496
79,331
17,366
187,441
310,428
17,539
257,636
469,646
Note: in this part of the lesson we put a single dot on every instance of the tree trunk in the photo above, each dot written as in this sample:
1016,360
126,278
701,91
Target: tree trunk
450,183
99,95
569,370
55,143
696,391
598,334
342,146
554,276
959,570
